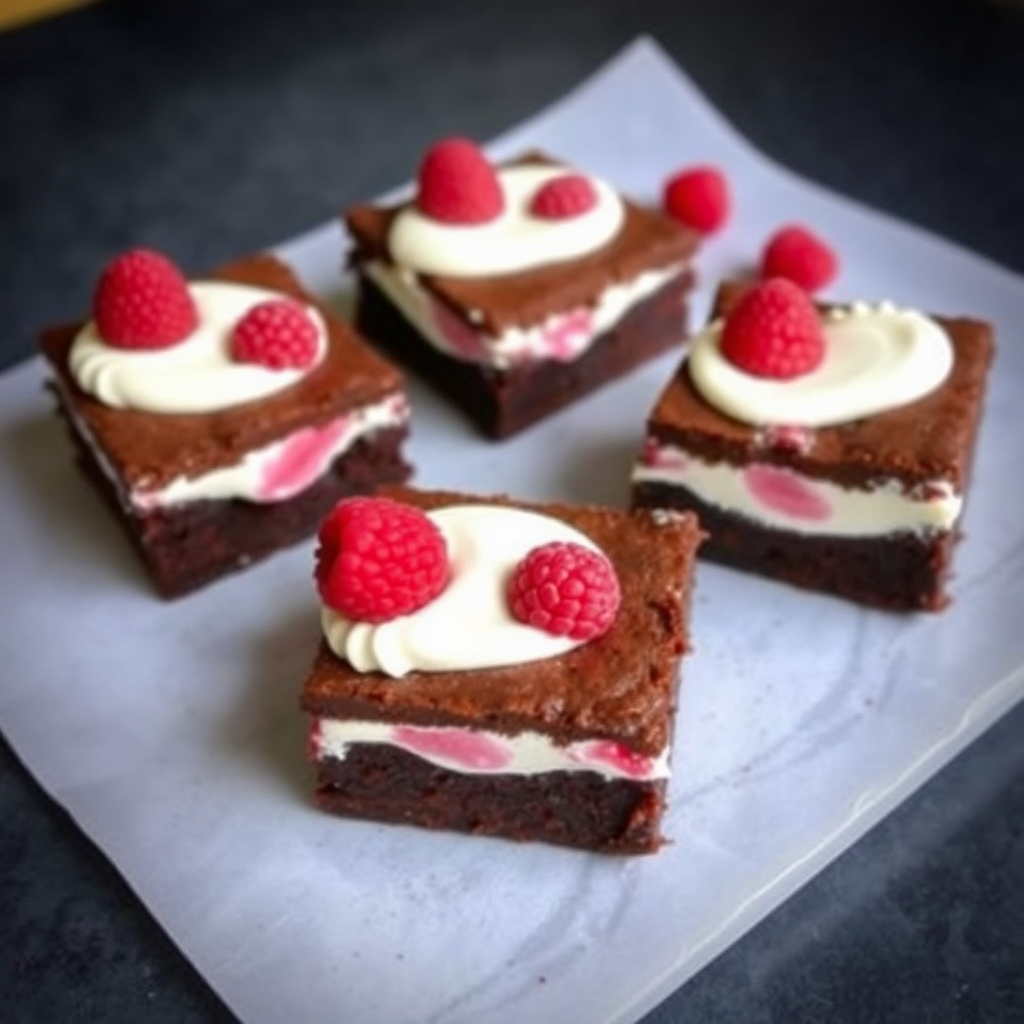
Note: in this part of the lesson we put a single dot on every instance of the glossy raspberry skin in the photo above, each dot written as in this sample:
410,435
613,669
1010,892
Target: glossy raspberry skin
774,331
800,256
278,334
378,559
142,302
565,589
565,197
458,184
699,198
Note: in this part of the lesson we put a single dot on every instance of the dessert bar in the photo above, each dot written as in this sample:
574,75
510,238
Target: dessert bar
221,419
829,447
516,290
522,685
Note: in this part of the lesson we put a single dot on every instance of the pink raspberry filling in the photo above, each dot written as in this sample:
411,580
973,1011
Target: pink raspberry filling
616,755
782,491
301,461
457,746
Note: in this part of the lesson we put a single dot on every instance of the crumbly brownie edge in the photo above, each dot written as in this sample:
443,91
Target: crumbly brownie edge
577,809
501,403
896,572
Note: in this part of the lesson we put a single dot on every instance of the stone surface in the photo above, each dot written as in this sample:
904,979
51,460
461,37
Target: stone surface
213,128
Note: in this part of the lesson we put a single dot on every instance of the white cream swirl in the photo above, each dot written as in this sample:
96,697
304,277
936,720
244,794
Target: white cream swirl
196,375
876,358
469,624
515,240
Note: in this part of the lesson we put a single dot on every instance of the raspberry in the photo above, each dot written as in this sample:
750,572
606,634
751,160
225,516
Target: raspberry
774,331
278,334
566,590
142,301
379,559
699,198
458,185
564,197
798,254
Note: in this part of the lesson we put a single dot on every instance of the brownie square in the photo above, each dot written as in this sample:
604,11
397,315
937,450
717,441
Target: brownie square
147,465
915,457
432,748
455,331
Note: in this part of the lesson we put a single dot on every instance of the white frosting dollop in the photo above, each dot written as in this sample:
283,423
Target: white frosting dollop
876,358
515,240
196,375
469,624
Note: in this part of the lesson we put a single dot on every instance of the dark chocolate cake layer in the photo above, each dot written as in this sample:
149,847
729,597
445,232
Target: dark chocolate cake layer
621,686
648,240
188,545
898,572
503,402
150,450
579,809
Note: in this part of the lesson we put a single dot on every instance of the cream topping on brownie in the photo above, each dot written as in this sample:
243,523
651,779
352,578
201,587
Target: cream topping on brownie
480,752
877,357
779,497
515,240
469,625
560,338
197,375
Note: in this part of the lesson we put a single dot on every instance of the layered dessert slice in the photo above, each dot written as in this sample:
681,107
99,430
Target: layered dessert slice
222,418
515,290
500,668
829,447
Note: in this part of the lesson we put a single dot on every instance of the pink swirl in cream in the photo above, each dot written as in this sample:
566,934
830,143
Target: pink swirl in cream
785,499
468,750
480,752
785,492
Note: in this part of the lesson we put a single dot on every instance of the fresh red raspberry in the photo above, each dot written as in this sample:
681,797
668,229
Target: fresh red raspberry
566,590
379,559
458,184
278,334
699,198
774,331
564,197
801,256
142,301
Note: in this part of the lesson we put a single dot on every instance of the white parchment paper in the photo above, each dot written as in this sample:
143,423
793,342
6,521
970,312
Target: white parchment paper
170,731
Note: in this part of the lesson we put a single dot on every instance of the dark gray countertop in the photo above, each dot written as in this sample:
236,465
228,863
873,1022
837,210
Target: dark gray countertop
210,129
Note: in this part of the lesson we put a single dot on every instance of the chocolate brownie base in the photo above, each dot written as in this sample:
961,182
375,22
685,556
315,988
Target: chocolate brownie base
578,809
186,546
898,572
502,402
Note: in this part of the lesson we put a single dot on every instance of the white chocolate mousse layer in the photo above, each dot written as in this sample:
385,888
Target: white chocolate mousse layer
468,625
561,338
474,752
284,468
273,473
196,375
786,500
876,358
514,240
